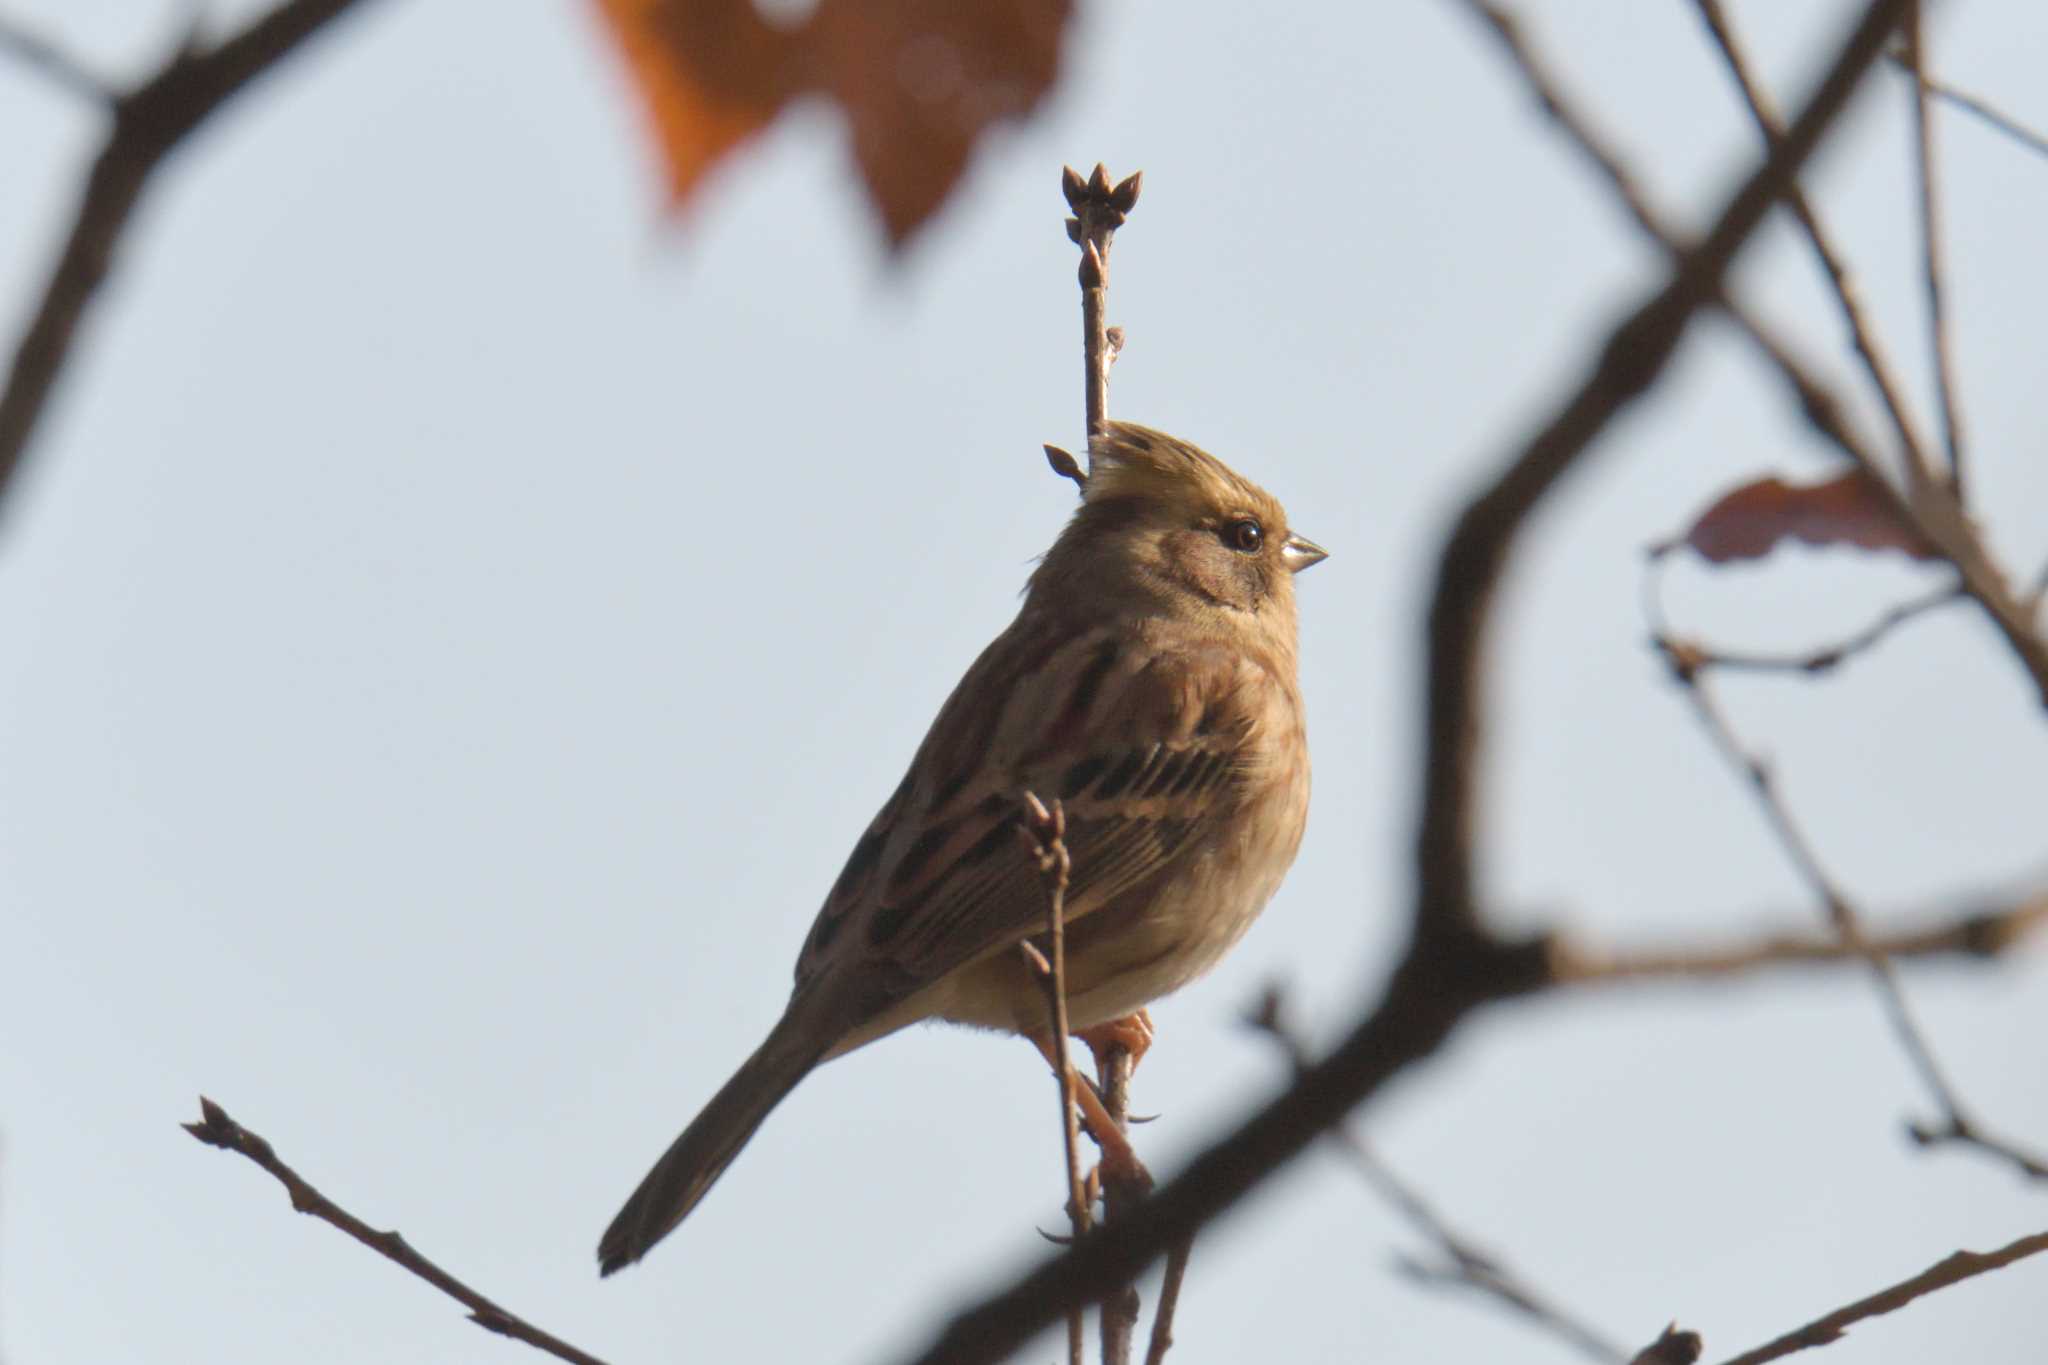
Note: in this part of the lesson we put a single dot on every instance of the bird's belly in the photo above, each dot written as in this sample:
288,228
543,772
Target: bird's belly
1147,943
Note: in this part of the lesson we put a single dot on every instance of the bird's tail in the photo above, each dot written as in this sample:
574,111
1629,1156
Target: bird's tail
696,1159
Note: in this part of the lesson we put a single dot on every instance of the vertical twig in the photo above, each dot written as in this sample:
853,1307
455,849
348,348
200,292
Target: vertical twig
1931,244
1045,832
1120,1309
1099,210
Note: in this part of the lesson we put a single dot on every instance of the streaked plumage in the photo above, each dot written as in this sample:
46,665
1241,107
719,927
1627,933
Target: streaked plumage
1148,682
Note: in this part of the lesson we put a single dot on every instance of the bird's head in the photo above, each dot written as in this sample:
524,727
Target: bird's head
1162,519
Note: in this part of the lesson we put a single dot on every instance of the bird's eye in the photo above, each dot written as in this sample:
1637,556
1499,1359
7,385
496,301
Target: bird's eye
1244,535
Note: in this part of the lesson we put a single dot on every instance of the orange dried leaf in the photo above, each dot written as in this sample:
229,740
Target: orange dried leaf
711,72
920,82
1850,509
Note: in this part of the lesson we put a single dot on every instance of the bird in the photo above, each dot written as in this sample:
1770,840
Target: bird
1149,685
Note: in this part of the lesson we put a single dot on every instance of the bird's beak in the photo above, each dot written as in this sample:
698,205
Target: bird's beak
1298,554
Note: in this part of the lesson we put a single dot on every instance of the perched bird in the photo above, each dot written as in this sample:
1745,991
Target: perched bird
1148,684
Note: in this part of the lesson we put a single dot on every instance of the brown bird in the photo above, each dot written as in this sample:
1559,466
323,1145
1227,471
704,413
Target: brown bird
1148,683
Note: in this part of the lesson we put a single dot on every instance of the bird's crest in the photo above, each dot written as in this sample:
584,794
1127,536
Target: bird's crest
1127,460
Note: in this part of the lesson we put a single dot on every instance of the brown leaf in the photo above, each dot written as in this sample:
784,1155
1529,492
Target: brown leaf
1749,522
712,74
919,80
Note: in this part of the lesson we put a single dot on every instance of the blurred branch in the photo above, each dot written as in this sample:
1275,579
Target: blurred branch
1928,505
216,1129
1823,659
1982,933
52,62
1971,104
1452,965
1672,1347
1842,283
1953,1269
1924,172
149,122
1955,1125
1467,1267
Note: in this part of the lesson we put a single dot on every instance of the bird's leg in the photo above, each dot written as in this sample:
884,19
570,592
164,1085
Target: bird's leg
1132,1033
1118,1160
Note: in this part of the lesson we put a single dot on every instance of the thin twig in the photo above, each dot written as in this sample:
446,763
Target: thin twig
1468,1267
1953,1269
1957,1130
53,63
1979,108
1045,832
1938,332
1843,285
1954,1125
1169,1300
1452,966
216,1129
1823,659
150,121
1099,210
1121,1306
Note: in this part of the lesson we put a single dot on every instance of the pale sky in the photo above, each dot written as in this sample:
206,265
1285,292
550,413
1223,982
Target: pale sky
456,625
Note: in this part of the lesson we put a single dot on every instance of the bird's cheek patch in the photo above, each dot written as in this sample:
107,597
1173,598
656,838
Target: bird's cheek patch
1221,575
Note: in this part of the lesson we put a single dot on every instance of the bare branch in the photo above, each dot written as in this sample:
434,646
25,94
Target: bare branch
1930,249
1468,1267
1452,966
1848,925
53,63
1982,934
1958,1130
1812,662
1121,1306
1099,210
1125,1182
1953,1269
1843,285
1169,1301
1929,505
1979,108
1044,832
216,1129
150,121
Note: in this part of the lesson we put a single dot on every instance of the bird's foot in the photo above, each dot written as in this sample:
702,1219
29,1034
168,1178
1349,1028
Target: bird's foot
1132,1033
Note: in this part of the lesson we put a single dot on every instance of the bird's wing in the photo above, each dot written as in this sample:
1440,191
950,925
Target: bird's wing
1145,744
